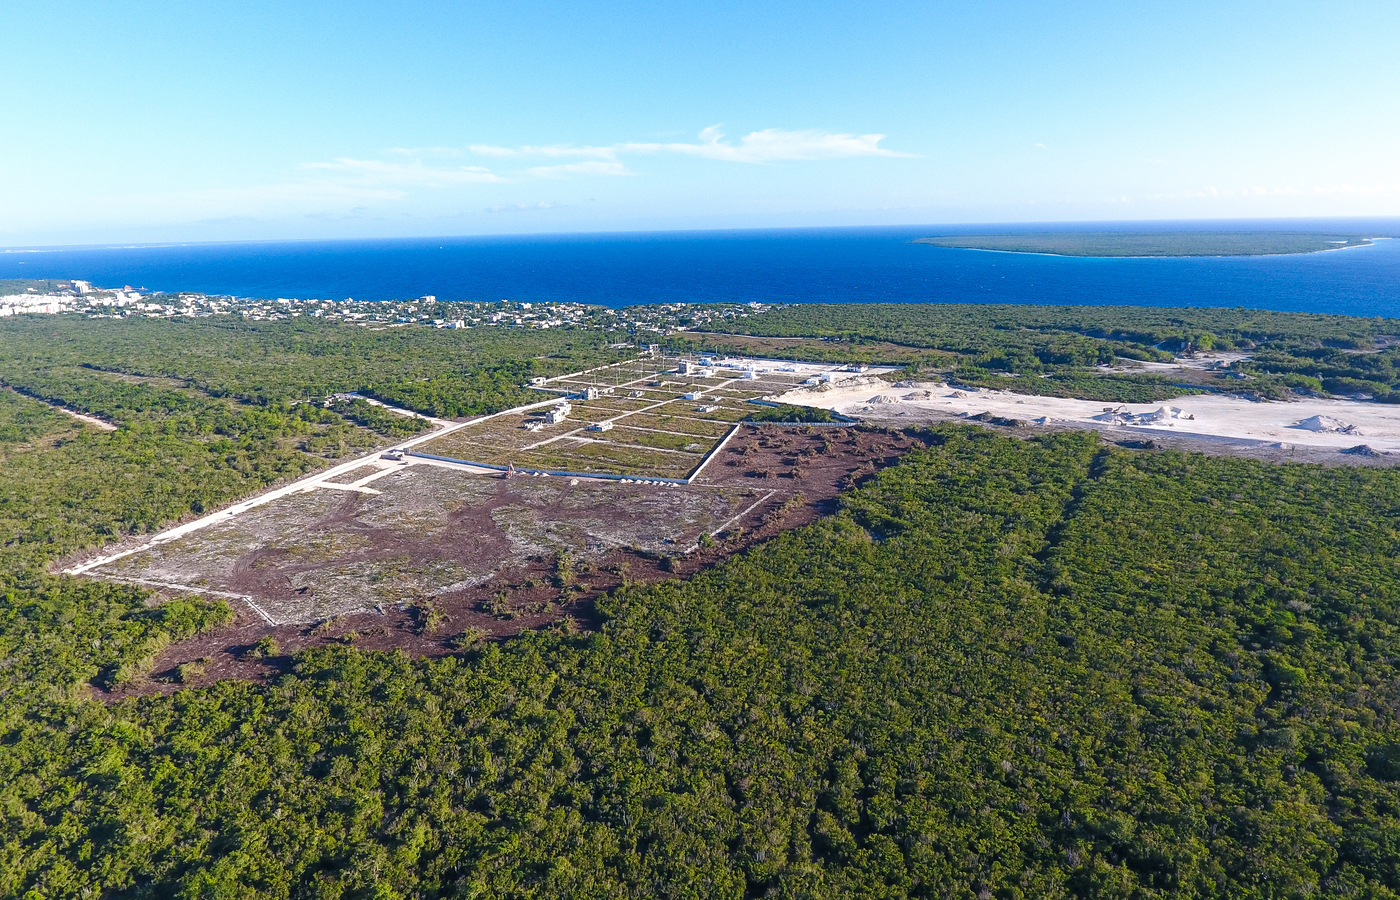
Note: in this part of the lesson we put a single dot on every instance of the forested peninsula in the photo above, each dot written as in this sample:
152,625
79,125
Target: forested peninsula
1151,243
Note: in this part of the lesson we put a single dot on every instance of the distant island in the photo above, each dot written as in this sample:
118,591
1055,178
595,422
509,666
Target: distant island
1151,243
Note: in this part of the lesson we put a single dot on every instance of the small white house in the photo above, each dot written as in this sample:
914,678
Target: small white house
601,426
558,413
695,395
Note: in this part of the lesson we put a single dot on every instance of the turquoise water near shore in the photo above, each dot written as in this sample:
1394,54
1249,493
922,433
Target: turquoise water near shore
770,266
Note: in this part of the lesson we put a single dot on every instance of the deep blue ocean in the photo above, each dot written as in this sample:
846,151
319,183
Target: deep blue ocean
773,266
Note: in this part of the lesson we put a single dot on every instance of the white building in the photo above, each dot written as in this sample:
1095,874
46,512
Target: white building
601,426
558,413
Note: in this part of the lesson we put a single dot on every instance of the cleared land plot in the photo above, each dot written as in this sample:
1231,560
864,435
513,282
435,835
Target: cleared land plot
609,459
728,411
431,532
613,406
658,433
354,475
663,440
661,434
674,422
438,528
611,531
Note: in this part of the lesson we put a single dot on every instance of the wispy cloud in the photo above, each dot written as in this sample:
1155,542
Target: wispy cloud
587,167
774,145
424,151
411,174
553,150
768,145
409,170
524,207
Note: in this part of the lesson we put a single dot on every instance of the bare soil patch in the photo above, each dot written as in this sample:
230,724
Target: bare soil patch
488,557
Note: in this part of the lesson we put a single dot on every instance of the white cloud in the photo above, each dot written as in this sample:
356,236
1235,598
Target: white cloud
768,145
413,174
587,167
553,150
524,207
424,151
773,145
275,194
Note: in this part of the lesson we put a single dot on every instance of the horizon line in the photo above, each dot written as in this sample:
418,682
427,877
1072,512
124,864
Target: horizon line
1022,226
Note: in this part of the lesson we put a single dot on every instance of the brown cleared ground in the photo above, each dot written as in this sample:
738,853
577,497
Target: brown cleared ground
495,544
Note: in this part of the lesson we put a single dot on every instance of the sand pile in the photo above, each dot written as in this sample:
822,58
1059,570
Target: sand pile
1326,425
1121,416
1116,416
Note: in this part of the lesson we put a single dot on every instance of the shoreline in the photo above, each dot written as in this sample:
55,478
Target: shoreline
1370,242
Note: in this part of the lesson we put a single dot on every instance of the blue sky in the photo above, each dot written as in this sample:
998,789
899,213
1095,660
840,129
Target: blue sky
227,121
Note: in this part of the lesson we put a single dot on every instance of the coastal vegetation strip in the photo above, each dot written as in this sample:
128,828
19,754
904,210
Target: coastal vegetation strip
1152,243
1076,346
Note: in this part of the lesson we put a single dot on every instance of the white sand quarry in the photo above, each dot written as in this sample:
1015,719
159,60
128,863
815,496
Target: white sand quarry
1319,424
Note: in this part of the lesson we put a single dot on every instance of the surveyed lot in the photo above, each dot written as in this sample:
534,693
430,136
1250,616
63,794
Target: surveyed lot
428,523
648,418
423,532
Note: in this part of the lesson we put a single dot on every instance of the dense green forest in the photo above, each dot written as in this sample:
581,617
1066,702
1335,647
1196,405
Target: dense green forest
983,345
1004,668
440,372
21,285
1152,243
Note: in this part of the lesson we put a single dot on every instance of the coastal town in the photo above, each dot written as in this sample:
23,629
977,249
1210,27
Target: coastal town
82,298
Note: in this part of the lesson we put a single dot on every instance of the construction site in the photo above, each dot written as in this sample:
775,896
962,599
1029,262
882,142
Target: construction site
630,473
652,418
